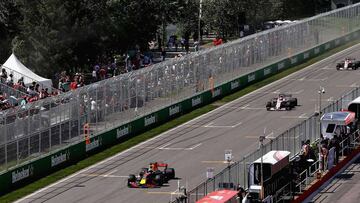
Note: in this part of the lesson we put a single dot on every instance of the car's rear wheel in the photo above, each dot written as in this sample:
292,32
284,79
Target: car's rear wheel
159,180
294,101
288,105
268,106
170,173
131,179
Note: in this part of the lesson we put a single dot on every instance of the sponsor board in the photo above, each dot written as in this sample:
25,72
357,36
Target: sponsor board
95,143
281,65
234,84
306,55
327,46
196,101
60,158
317,50
251,77
337,42
122,131
216,92
149,120
267,71
22,173
174,110
293,60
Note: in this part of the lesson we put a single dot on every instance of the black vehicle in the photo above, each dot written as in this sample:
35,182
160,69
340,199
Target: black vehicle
282,102
348,64
152,176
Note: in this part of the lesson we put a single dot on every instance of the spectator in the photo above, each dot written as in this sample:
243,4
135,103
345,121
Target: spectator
305,150
334,142
73,84
37,88
147,61
196,45
176,43
182,42
94,75
217,41
323,155
163,53
10,80
3,75
102,73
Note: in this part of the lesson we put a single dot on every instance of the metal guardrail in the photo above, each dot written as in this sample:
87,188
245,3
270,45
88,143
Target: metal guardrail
49,124
346,144
291,140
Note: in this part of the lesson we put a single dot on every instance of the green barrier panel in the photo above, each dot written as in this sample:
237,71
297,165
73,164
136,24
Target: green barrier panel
40,167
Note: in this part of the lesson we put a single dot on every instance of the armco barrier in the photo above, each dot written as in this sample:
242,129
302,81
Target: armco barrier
35,169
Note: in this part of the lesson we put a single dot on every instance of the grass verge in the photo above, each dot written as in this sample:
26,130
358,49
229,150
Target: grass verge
17,194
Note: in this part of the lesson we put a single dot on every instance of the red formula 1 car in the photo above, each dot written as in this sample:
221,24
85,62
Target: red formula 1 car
152,176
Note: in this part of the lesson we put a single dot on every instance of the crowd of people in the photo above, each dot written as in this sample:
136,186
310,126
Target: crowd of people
17,93
104,68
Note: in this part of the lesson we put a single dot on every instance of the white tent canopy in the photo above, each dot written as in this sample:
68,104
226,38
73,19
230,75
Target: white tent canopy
15,67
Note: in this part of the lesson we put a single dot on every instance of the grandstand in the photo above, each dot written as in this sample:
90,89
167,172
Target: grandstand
41,126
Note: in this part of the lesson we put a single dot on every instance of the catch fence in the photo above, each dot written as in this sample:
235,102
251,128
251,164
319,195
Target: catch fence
291,140
35,129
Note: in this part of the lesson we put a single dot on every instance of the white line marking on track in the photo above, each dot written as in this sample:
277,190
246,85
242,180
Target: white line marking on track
278,92
165,193
309,80
184,124
102,175
245,108
108,174
352,85
217,162
270,136
209,125
327,68
179,148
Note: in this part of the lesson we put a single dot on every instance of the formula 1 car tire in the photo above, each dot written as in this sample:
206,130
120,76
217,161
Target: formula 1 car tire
132,178
170,173
268,106
293,102
159,179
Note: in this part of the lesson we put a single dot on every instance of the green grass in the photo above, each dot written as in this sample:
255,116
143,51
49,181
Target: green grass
156,131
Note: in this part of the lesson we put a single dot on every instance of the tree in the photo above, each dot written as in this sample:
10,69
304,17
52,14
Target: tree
9,18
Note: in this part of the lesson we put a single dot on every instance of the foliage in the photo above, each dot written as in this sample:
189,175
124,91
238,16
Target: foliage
54,35
8,26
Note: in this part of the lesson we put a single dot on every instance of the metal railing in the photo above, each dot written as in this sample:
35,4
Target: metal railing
309,175
43,126
291,140
9,91
26,79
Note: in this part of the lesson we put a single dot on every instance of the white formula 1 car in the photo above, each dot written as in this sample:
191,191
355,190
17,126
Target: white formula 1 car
282,102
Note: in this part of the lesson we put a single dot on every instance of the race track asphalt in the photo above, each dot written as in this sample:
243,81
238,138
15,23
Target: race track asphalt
343,188
200,143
